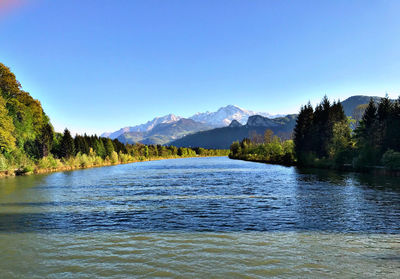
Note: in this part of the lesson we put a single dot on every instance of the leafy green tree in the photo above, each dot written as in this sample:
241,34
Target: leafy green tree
9,86
7,139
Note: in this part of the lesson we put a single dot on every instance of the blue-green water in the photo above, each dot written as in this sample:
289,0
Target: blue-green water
199,218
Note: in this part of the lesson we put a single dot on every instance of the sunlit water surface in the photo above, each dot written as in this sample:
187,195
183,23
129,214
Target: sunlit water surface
199,218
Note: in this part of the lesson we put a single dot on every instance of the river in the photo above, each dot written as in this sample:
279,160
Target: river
200,218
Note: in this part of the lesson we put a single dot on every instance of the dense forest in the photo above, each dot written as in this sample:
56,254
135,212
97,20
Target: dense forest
28,142
325,137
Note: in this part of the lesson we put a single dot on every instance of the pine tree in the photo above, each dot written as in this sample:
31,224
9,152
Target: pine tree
385,110
303,131
46,140
67,147
99,147
366,135
393,128
108,145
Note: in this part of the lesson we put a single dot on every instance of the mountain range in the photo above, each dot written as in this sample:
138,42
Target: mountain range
162,130
216,129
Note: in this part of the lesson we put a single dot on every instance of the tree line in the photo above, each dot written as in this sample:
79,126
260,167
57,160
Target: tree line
267,148
325,137
28,141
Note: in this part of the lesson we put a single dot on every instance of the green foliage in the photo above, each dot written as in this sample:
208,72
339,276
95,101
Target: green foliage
391,159
7,139
375,141
67,146
3,163
114,157
146,151
322,137
272,150
28,140
108,145
49,162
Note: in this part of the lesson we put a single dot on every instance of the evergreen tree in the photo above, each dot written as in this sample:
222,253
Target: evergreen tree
67,147
366,136
108,145
393,128
385,112
46,140
303,131
99,147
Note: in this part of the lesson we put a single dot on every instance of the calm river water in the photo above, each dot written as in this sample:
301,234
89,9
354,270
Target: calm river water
199,218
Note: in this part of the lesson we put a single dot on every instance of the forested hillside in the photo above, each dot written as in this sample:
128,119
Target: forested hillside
29,143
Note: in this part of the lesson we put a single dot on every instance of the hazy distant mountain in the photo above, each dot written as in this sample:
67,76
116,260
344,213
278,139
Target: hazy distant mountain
224,116
170,118
165,132
223,137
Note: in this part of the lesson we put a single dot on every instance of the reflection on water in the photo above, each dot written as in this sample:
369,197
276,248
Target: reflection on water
200,217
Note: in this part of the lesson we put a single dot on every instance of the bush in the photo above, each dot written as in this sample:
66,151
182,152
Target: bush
27,168
366,158
49,162
114,157
84,160
98,161
124,158
391,159
72,162
3,163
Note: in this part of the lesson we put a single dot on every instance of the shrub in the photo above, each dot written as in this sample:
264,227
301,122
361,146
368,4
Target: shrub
114,157
72,162
84,160
3,163
98,161
391,159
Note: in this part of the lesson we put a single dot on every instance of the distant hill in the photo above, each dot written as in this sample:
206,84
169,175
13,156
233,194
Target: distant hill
352,102
223,137
164,132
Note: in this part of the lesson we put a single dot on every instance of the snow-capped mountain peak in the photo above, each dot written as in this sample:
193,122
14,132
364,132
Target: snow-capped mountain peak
224,116
144,127
220,118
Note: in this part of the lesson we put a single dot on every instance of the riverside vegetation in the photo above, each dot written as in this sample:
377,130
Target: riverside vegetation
29,144
325,138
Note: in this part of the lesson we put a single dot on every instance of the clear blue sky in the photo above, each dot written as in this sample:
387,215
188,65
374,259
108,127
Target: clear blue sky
100,65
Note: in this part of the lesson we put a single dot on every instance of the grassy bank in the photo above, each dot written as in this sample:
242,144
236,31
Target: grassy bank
50,164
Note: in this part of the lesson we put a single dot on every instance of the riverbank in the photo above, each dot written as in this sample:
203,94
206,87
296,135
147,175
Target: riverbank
288,164
63,167
375,170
